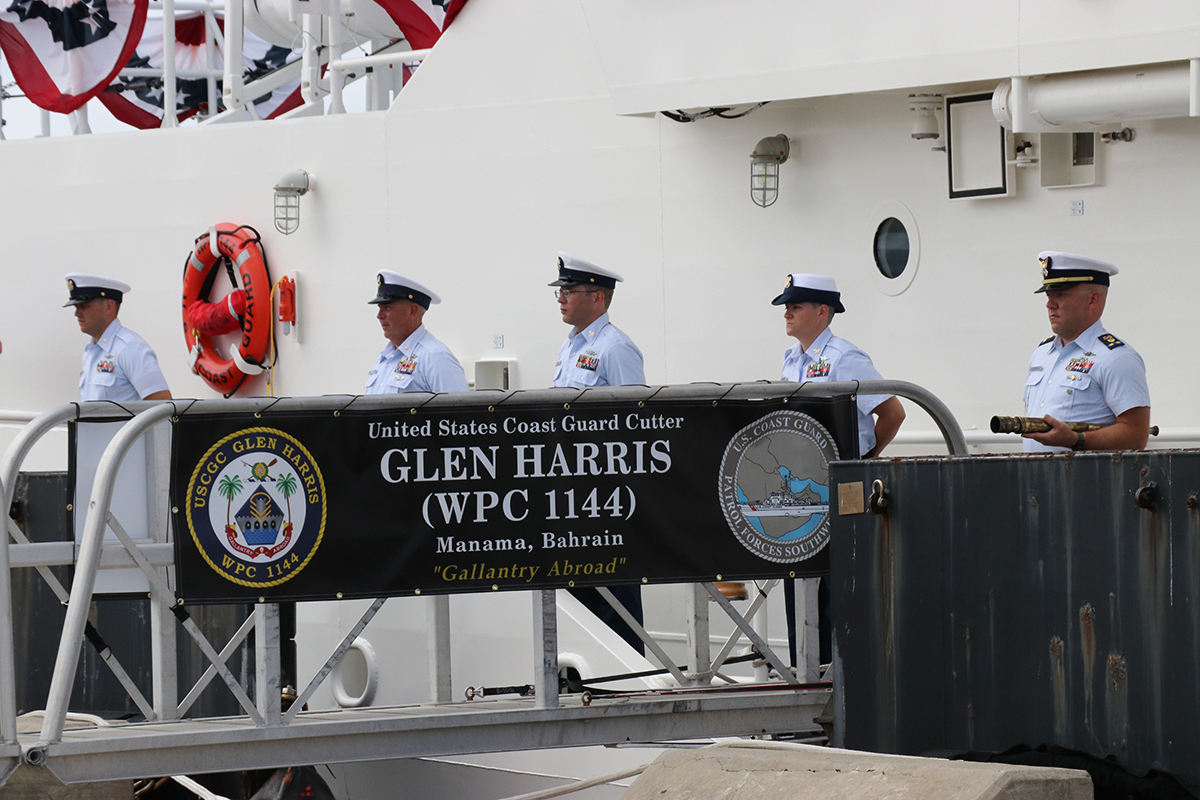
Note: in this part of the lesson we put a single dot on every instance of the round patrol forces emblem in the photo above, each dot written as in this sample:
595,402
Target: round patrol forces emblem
774,486
256,507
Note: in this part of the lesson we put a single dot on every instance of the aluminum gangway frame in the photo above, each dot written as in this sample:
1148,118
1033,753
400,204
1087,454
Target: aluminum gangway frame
266,736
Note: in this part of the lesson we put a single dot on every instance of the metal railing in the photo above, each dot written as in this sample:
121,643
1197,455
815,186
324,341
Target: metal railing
322,39
92,554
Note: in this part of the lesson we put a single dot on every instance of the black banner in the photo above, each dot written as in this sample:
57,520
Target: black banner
318,505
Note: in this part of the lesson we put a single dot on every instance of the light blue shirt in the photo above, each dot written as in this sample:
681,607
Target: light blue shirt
1093,379
119,367
420,364
829,358
599,355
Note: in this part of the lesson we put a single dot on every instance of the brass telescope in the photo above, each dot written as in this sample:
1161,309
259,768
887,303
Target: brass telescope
1039,425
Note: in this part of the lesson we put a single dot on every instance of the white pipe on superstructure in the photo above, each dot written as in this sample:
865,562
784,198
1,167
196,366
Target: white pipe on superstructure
170,112
151,72
210,61
380,59
1194,87
191,5
1019,119
232,87
79,121
310,71
1057,102
337,35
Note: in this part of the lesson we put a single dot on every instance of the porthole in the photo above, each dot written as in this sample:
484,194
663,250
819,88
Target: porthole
891,248
895,247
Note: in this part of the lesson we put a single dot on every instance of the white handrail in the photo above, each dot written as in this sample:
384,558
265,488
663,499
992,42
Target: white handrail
381,59
20,417
85,571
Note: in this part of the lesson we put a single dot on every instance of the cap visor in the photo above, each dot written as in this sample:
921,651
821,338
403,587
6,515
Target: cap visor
1049,287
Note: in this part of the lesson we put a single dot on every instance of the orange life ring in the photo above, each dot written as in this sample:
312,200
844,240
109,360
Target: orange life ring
240,249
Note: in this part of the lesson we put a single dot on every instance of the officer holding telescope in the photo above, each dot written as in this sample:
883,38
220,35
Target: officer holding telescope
1083,373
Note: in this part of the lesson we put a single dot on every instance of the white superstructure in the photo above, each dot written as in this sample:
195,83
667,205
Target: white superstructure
532,128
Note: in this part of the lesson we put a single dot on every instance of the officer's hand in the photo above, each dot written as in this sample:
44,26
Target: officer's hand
1059,435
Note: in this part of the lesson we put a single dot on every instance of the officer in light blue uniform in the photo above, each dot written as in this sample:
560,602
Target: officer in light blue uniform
818,355
118,365
596,352
413,361
1083,373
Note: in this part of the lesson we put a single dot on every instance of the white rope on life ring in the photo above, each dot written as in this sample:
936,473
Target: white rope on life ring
340,695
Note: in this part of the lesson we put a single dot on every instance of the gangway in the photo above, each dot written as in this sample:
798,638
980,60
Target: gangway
703,704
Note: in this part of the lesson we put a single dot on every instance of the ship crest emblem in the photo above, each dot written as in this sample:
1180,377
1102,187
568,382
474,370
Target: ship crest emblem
774,486
256,507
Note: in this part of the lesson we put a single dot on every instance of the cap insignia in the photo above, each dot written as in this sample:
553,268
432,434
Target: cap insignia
788,283
560,263
70,285
379,279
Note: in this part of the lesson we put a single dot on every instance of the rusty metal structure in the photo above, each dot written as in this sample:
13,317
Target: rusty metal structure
985,602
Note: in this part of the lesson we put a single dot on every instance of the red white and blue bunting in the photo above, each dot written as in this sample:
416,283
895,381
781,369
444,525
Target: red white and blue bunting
139,101
63,53
422,21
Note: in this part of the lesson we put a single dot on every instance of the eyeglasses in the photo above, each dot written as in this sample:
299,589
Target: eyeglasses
563,294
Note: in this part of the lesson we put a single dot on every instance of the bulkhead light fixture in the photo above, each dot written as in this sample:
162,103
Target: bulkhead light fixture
768,154
924,108
288,190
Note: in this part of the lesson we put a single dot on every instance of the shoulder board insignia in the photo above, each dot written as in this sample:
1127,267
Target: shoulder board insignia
1110,341
1047,340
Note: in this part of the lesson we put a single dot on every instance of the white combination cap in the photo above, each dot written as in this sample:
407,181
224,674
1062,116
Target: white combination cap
83,287
805,287
394,286
1064,270
575,271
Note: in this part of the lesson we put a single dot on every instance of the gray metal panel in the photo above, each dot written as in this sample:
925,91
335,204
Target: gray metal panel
1007,600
